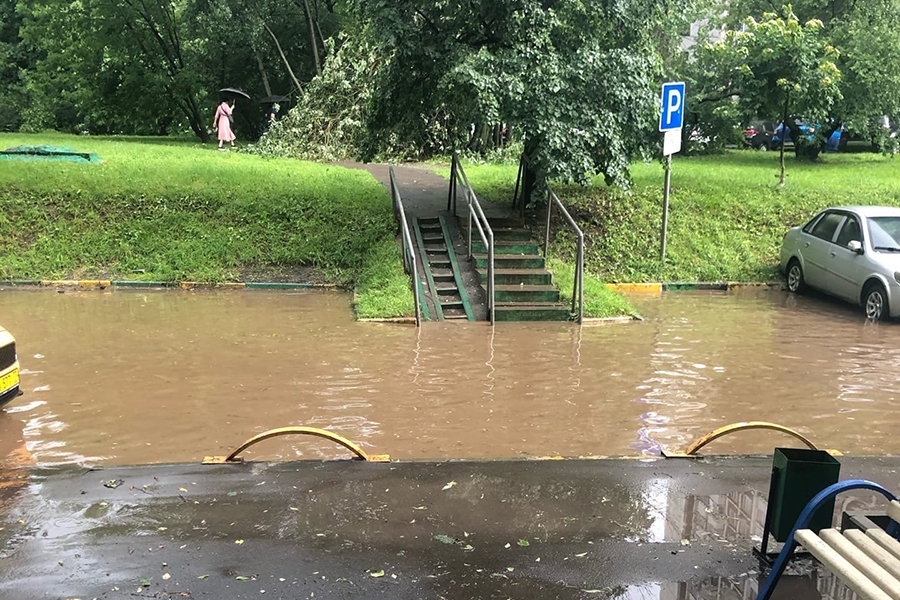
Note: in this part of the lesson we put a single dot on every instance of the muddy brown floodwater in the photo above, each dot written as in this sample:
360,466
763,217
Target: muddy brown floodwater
131,377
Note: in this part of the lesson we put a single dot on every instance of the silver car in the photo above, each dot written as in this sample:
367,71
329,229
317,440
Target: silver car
852,252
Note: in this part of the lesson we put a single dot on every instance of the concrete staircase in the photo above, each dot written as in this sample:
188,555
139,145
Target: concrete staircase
523,288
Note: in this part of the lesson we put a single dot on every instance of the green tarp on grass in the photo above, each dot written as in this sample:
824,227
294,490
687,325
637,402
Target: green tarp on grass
42,153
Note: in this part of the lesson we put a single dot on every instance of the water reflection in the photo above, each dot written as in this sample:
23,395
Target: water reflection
814,586
129,377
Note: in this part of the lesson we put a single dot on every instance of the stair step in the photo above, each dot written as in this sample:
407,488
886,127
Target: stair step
534,311
452,304
503,234
443,277
526,293
506,261
517,276
502,223
448,290
506,247
440,264
457,317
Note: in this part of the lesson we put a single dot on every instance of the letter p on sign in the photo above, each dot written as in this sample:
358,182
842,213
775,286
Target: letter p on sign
672,115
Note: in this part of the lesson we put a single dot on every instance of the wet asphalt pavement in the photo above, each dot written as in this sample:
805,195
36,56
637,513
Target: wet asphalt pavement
651,528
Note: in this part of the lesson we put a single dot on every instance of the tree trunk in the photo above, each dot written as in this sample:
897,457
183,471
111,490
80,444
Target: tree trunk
195,120
784,133
262,73
530,177
284,59
312,37
475,138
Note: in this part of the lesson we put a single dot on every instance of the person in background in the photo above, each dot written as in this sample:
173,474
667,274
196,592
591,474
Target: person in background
272,114
222,123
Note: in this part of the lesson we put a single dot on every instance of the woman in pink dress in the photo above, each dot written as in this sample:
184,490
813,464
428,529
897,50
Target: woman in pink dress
222,123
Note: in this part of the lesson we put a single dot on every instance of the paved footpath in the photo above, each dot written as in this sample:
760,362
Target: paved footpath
656,528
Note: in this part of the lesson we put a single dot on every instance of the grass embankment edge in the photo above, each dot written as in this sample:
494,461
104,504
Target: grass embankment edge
600,302
165,212
727,214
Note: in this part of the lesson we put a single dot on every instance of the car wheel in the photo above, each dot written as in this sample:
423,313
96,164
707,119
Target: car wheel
795,283
875,302
764,147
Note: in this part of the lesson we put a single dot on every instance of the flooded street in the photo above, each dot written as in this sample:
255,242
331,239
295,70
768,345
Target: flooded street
130,377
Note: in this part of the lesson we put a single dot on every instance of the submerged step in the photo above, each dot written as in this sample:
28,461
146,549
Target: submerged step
536,311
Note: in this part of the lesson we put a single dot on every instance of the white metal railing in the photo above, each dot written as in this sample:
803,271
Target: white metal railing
409,256
553,199
458,179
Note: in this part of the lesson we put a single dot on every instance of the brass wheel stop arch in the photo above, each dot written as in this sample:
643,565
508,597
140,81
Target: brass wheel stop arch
359,453
691,451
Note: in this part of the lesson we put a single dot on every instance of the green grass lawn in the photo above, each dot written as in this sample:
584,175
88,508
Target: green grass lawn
727,213
170,210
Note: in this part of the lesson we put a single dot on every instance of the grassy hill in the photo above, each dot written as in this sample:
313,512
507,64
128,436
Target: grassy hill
727,212
161,209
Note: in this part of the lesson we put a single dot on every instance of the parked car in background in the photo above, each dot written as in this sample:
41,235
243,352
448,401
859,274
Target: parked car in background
768,136
851,252
9,368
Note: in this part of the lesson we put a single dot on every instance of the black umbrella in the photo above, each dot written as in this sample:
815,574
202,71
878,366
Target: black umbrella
233,94
274,99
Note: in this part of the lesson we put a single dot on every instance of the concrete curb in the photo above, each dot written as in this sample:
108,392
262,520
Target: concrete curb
390,320
592,322
678,286
186,285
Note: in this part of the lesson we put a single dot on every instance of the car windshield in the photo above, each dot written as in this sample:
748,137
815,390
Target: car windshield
885,233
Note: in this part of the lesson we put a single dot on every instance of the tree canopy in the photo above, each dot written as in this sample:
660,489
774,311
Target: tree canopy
853,38
153,66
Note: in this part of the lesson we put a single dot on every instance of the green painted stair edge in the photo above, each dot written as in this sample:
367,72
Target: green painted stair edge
515,248
457,275
531,314
511,261
526,296
545,278
426,263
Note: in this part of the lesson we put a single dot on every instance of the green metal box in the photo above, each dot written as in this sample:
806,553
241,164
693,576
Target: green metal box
797,476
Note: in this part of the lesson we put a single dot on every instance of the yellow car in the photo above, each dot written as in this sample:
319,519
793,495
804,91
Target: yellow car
9,367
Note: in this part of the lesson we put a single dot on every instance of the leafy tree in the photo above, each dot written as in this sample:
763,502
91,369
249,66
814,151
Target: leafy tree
866,34
153,66
16,57
775,68
578,79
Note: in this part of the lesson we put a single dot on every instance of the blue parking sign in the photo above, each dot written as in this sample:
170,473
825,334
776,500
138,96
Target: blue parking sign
672,115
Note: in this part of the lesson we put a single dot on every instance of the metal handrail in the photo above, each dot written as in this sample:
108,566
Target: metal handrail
409,257
458,177
552,198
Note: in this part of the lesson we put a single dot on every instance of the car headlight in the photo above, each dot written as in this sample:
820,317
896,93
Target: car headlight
897,276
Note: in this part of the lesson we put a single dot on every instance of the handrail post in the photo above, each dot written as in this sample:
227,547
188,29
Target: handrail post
450,191
490,235
518,179
471,210
547,229
409,258
579,277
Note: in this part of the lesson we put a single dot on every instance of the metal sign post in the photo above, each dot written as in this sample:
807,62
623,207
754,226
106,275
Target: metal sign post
665,218
671,120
